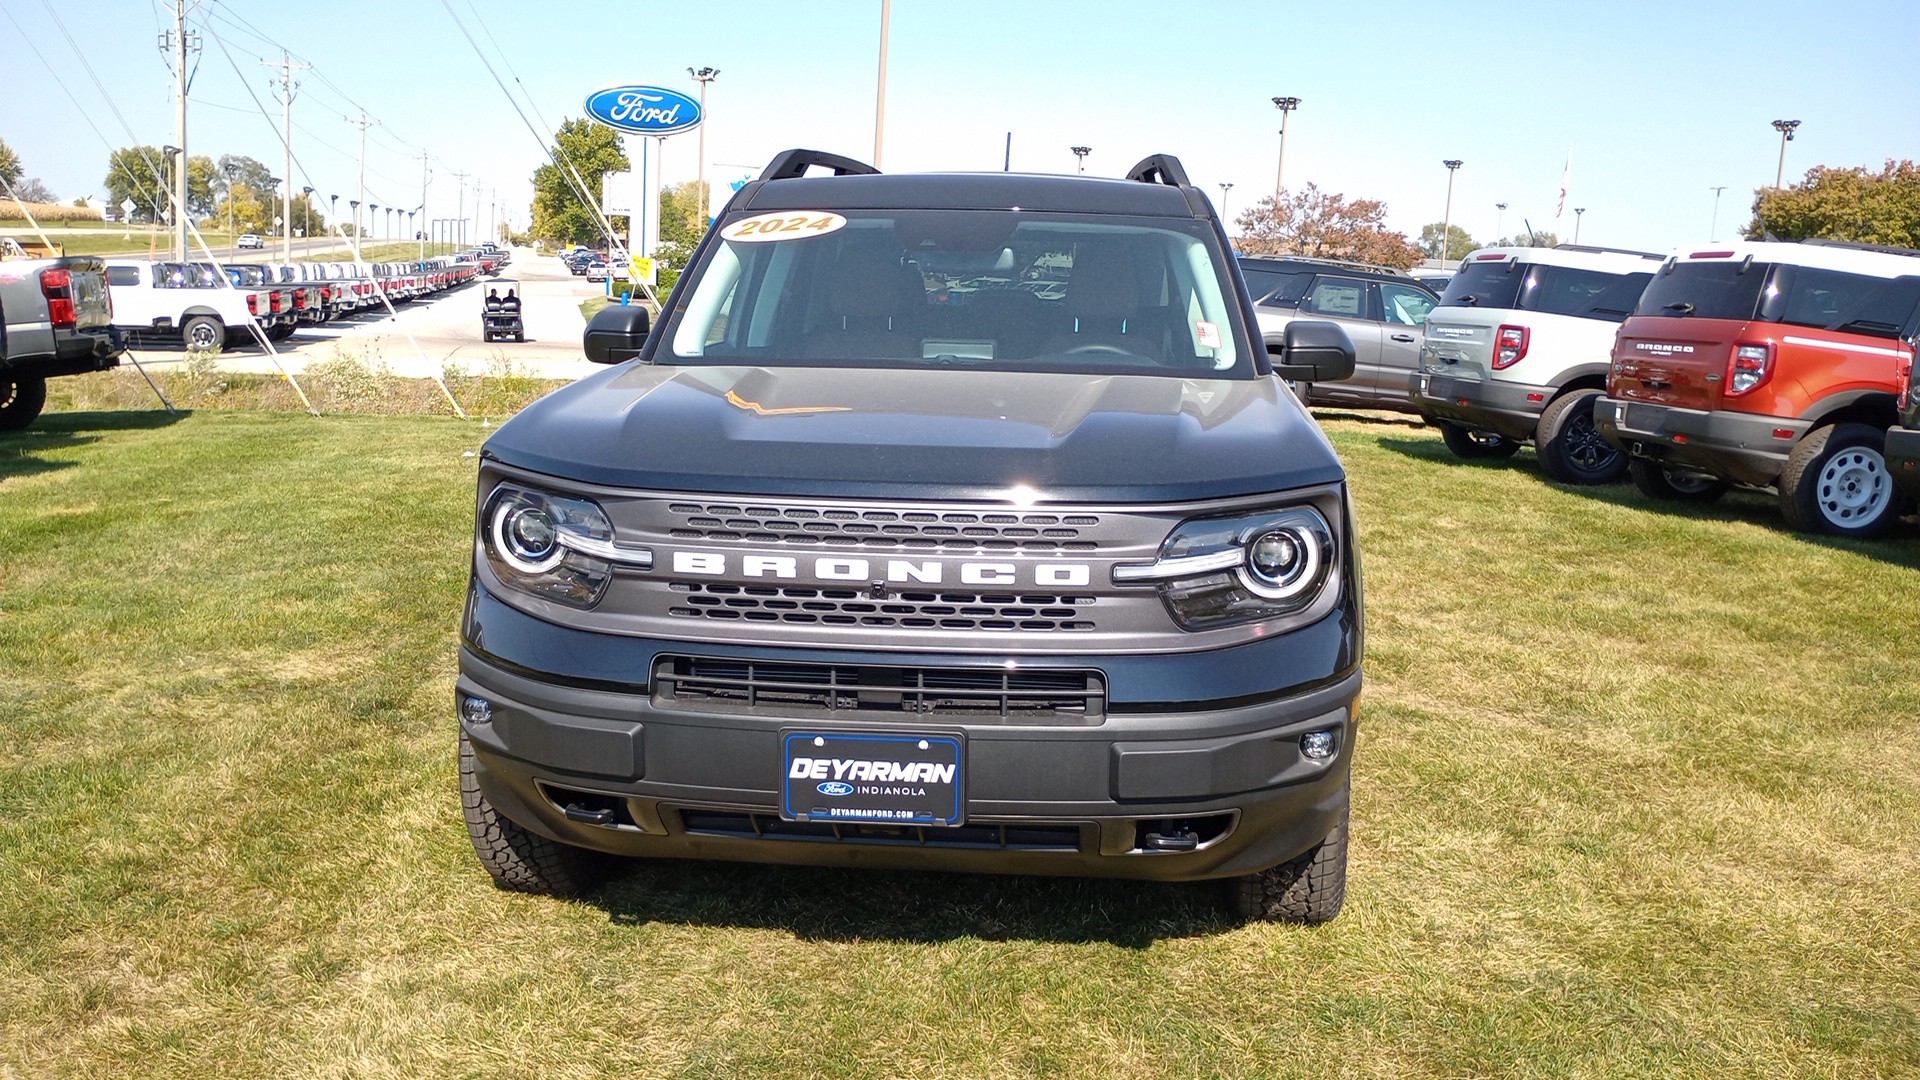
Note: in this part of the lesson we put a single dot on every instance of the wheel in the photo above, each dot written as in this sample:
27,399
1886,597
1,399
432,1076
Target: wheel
1570,447
519,337
1656,481
281,332
1836,482
519,860
1468,442
21,399
1301,390
203,332
1308,889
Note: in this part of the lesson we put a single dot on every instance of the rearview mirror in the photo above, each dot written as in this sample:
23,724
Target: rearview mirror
616,333
1312,351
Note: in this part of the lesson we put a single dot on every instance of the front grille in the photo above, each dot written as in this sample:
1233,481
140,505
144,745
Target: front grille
911,610
1007,837
848,691
913,529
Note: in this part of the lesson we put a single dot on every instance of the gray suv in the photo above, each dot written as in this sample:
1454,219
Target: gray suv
1384,312
949,521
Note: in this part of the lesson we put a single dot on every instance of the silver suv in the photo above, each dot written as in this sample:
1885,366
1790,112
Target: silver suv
1383,310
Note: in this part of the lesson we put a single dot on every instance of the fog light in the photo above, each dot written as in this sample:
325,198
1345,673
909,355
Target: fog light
1317,745
476,710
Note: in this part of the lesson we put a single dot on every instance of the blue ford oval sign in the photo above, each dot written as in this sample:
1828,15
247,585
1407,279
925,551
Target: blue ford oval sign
644,110
835,787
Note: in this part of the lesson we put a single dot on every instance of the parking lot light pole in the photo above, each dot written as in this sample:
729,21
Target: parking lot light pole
229,170
1446,222
1080,154
1500,221
703,76
1225,186
307,232
1577,211
1286,105
1713,223
1785,128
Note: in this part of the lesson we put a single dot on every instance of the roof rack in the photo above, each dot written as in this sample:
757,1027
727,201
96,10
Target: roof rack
1160,169
792,164
1591,250
1859,245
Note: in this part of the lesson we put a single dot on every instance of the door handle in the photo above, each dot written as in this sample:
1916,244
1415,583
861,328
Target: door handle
1403,337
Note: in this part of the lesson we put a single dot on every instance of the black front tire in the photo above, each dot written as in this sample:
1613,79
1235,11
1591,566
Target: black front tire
1570,447
1656,481
1308,889
1469,442
21,399
1836,482
520,860
203,332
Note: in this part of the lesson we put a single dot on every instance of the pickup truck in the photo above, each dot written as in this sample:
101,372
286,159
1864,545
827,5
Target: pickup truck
56,318
172,300
842,565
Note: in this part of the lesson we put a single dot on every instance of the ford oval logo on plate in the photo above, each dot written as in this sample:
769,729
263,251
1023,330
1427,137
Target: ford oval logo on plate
644,110
836,787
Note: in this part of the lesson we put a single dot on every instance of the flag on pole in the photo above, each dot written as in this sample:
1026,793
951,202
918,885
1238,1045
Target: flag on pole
1564,174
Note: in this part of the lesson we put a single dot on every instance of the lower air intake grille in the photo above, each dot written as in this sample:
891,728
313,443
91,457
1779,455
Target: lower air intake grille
1008,837
773,688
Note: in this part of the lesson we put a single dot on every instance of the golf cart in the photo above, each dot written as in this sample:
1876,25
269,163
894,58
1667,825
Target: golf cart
501,319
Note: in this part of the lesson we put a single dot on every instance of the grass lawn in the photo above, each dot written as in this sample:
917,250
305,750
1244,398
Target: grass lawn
1637,795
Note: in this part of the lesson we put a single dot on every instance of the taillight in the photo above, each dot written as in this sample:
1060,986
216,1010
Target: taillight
253,303
1509,346
1750,367
57,287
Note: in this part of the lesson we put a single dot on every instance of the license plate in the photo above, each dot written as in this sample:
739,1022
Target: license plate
873,777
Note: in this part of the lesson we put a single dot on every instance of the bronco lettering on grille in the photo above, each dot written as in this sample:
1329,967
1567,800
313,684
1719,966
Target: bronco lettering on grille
841,568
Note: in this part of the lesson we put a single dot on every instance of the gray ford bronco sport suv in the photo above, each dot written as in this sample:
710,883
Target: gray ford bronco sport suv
947,521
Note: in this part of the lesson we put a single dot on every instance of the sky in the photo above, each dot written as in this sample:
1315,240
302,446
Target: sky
1655,103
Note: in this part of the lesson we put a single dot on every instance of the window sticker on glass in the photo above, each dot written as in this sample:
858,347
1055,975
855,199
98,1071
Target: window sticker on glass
1207,334
790,225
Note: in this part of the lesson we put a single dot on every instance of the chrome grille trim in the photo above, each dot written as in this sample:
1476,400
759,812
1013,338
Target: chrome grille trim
852,691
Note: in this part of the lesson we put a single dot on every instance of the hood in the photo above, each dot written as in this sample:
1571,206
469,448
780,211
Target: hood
879,433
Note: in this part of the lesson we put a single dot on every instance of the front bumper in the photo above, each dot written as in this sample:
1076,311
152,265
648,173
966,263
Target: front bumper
1746,448
1053,797
1903,458
1506,408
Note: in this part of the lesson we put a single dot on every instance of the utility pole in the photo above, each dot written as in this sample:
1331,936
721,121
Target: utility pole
703,76
180,43
462,219
287,87
880,94
425,175
363,123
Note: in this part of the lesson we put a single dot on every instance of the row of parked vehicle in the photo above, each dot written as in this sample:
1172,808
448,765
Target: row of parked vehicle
191,303
1763,365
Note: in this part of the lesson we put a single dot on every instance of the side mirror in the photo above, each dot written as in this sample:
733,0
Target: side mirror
1312,351
616,333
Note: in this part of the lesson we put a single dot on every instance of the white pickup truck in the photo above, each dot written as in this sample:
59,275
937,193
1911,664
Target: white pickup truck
189,302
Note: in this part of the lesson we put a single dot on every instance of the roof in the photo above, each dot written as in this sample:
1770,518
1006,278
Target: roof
1606,260
1348,265
972,191
1875,262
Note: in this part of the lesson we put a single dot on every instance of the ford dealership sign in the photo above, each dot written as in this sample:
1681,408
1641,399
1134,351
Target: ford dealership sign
644,110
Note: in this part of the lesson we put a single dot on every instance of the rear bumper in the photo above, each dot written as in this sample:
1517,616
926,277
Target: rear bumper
75,352
1506,408
1043,798
1903,458
1742,447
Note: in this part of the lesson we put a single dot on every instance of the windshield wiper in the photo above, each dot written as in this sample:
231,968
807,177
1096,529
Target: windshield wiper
1470,300
1682,307
1870,324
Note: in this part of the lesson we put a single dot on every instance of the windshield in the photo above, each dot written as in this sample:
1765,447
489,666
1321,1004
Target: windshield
1551,290
1010,290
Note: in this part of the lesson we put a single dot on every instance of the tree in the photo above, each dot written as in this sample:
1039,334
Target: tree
1844,204
1324,224
1458,242
139,173
10,167
593,150
679,229
243,170
203,186
253,208
32,190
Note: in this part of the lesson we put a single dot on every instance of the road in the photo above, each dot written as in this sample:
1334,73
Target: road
427,335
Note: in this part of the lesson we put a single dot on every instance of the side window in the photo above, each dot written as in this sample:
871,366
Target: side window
1406,306
1343,298
123,275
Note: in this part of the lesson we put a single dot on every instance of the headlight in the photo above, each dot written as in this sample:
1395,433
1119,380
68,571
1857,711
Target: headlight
1216,572
552,546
